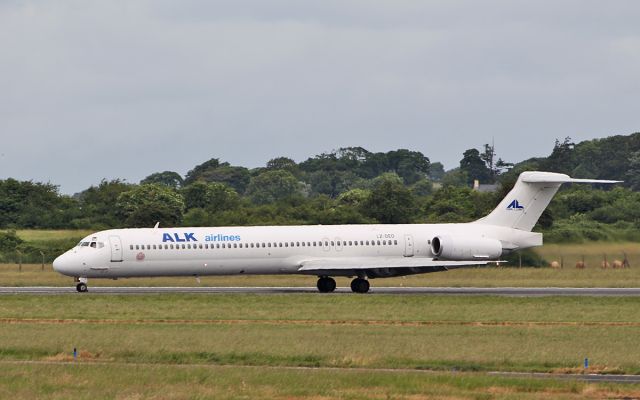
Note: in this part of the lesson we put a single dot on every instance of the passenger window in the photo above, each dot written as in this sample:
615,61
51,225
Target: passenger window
130,247
367,242
280,244
332,243
395,242
297,244
326,243
308,244
154,246
235,245
137,247
355,243
302,244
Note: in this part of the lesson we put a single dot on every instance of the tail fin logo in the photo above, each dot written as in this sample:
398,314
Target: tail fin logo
515,205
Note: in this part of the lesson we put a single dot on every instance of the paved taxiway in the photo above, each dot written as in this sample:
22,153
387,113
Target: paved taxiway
498,291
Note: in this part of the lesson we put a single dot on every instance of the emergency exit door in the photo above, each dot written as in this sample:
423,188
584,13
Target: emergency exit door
408,246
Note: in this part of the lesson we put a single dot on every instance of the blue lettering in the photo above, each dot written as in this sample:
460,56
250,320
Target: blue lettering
178,238
189,237
166,237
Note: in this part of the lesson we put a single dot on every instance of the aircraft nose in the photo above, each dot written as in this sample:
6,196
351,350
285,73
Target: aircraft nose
62,264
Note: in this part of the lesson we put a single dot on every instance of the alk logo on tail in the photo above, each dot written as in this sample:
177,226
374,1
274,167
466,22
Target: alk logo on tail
515,205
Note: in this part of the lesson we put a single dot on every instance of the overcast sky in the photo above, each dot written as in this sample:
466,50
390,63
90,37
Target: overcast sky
108,89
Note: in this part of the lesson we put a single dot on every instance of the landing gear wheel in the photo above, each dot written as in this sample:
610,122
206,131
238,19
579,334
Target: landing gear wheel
81,287
360,285
326,284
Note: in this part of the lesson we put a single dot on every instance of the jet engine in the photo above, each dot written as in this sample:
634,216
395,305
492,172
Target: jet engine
465,248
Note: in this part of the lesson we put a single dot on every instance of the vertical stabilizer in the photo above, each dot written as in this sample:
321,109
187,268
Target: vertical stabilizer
528,199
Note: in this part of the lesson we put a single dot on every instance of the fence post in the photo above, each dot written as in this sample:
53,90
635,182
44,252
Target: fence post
19,260
42,254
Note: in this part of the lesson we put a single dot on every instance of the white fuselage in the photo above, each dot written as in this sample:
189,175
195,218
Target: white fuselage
262,249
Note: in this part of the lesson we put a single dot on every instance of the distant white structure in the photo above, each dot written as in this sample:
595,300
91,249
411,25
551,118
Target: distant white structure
485,188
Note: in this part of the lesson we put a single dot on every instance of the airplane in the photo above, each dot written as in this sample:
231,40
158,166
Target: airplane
361,252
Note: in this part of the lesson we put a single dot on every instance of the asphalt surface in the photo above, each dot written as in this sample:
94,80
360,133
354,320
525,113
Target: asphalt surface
572,377
498,291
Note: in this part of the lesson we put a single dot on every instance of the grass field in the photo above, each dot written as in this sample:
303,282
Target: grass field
249,346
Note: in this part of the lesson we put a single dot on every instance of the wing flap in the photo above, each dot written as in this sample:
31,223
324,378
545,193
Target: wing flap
381,262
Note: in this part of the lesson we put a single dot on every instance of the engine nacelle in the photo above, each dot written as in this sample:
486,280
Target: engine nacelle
462,248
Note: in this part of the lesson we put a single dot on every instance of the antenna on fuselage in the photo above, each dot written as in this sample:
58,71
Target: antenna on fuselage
157,225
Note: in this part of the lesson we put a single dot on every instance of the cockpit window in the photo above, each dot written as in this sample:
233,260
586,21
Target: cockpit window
84,244
93,244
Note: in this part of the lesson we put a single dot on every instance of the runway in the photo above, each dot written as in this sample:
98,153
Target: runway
444,291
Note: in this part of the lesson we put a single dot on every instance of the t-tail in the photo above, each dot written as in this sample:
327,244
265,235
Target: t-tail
528,199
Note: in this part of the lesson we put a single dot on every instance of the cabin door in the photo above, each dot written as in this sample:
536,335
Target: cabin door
116,248
408,246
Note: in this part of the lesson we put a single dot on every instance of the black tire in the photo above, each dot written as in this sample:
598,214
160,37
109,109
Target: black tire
360,285
81,287
326,285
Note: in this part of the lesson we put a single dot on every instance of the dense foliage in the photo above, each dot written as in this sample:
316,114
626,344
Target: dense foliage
346,186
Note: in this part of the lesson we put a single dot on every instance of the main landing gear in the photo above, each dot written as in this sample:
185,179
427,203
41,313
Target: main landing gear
360,285
327,285
81,285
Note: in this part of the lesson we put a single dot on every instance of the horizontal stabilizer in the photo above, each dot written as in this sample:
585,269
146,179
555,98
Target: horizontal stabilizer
381,262
547,177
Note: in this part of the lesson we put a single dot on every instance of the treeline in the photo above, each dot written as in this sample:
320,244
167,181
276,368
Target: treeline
346,186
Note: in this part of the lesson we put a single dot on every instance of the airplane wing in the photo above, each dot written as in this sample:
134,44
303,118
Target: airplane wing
382,262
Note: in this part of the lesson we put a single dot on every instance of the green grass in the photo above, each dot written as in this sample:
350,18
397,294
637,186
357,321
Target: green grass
41,235
129,381
249,345
434,332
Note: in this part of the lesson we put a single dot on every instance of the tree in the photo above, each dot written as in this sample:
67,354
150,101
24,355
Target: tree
99,203
282,163
436,171
32,205
144,205
167,178
390,202
213,197
198,170
272,186
475,167
561,158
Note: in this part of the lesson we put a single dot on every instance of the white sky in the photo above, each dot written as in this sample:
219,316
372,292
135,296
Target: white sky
107,89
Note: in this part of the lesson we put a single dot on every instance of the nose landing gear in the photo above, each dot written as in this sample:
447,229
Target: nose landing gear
81,285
